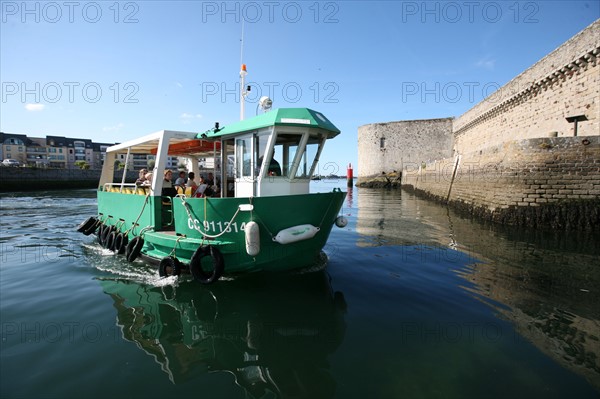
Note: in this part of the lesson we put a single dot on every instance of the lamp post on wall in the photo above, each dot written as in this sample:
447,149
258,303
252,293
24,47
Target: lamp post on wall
575,119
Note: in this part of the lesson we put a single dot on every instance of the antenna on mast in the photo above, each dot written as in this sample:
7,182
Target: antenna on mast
242,44
243,89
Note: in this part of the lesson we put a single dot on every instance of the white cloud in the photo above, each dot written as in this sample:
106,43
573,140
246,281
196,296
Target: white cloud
34,107
187,118
115,128
486,63
178,84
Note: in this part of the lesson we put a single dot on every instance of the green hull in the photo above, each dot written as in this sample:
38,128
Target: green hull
177,229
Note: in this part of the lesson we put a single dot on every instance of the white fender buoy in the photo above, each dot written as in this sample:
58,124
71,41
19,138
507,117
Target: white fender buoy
252,238
341,221
296,233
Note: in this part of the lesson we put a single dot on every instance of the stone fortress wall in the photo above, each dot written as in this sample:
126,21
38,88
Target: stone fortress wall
537,102
511,154
388,147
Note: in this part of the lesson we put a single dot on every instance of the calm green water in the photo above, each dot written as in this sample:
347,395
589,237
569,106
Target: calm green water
415,302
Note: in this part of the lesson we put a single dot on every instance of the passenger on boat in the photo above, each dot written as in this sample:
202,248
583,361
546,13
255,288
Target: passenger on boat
191,183
200,188
147,180
211,179
141,177
181,180
167,188
211,189
274,167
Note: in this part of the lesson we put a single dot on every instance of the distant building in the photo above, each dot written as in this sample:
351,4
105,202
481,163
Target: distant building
99,154
73,149
14,146
37,154
51,151
64,152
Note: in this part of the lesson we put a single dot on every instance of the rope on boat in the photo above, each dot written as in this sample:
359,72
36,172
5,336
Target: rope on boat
175,246
145,229
185,206
139,216
326,212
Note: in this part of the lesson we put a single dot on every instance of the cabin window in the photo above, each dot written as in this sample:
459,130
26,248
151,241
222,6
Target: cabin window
243,156
286,147
309,157
260,146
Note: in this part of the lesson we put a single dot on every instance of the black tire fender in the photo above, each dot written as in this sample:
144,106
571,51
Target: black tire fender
169,266
101,234
121,242
110,240
86,224
134,248
92,228
105,233
207,277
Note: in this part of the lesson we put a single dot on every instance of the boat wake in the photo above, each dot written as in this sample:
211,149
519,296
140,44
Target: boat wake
138,271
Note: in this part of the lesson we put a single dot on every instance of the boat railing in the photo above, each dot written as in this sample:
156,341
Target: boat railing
125,188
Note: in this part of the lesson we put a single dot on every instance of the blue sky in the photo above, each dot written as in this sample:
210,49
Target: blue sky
112,71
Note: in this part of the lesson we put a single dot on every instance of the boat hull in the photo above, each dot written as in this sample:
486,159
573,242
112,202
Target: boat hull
179,226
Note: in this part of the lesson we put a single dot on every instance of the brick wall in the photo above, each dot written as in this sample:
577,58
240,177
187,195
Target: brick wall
522,173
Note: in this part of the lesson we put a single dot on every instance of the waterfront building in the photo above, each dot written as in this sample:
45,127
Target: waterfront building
37,154
69,151
64,152
99,154
13,147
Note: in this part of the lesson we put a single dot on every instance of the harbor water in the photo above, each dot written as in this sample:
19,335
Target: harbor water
415,301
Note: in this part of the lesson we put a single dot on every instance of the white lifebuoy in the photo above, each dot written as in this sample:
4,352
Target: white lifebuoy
252,238
296,233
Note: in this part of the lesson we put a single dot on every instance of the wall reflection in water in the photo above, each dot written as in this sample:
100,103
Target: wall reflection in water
548,280
273,333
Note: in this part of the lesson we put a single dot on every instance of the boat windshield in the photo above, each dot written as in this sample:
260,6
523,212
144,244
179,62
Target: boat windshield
308,158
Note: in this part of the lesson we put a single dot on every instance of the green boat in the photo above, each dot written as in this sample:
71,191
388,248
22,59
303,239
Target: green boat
258,216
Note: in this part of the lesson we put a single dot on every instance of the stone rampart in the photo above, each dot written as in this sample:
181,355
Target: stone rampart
544,181
386,147
537,102
514,157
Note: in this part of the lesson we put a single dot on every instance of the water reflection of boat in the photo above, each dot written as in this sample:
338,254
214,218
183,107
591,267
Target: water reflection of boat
274,334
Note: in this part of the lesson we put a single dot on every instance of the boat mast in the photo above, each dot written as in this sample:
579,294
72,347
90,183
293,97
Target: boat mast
243,73
243,91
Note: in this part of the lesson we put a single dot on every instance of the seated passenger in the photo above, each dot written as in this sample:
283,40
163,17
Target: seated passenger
181,180
199,192
274,167
141,178
191,183
167,187
211,179
147,180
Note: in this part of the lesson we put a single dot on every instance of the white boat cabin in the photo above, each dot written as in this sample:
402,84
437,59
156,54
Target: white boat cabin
275,153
